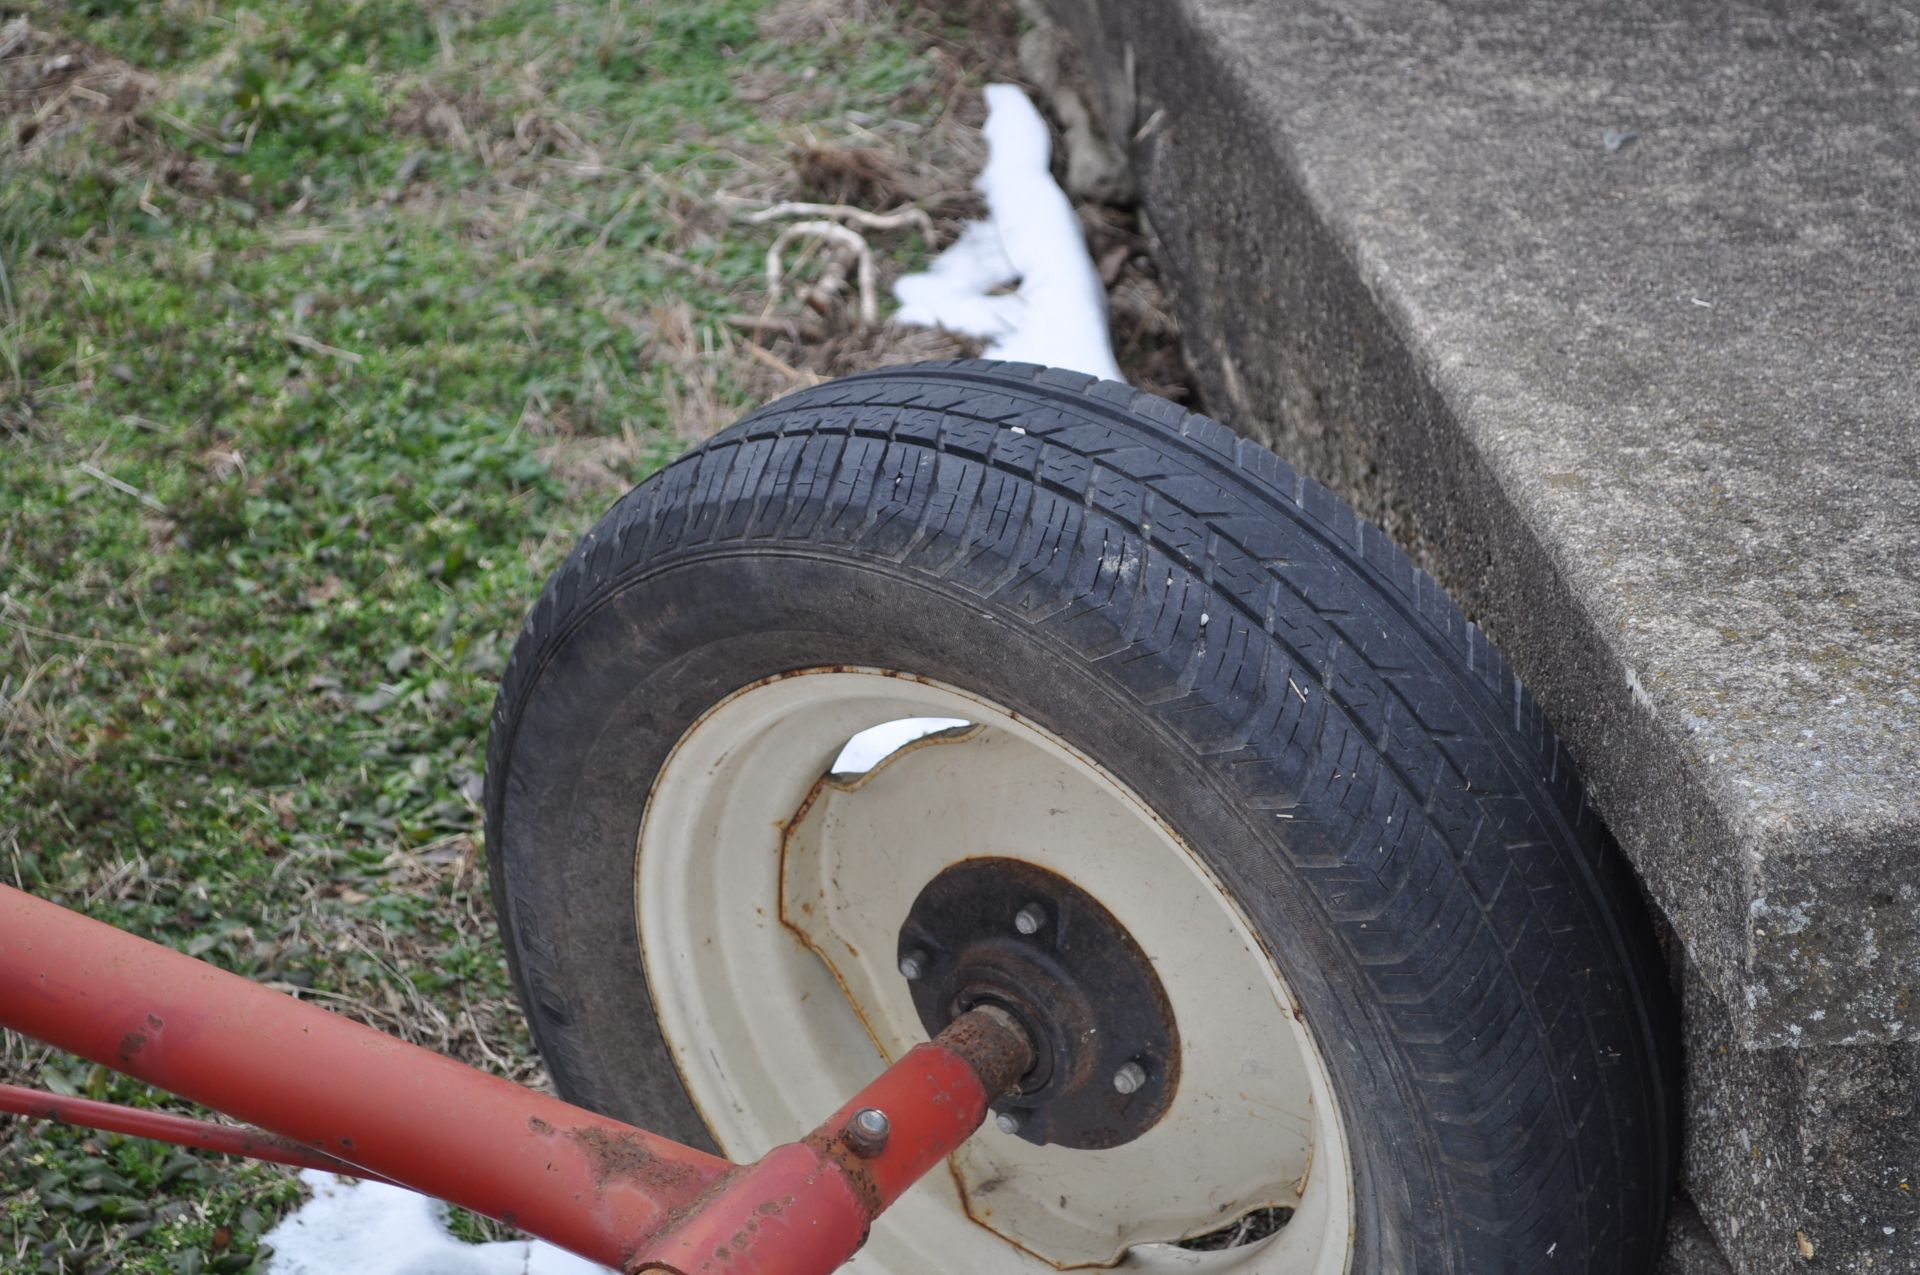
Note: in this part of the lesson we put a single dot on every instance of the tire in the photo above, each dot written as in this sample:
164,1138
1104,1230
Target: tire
1360,772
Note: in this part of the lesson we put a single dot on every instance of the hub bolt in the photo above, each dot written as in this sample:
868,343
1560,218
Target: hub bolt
1030,918
1007,1122
1129,1078
867,1132
913,964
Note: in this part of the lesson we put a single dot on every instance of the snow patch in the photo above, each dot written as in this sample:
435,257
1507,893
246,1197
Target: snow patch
1058,314
370,1228
877,743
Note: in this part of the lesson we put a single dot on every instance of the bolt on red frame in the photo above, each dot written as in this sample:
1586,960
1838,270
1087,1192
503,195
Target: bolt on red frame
333,1094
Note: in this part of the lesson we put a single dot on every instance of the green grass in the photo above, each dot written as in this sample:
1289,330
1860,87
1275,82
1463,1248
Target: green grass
323,332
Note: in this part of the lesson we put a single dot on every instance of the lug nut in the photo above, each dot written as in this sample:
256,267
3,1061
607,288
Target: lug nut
1030,918
913,964
1129,1078
867,1132
1007,1122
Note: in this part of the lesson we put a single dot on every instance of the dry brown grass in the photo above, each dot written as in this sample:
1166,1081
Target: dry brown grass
52,83
865,176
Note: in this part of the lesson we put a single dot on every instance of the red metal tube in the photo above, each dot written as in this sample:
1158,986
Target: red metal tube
585,1182
334,1091
794,1210
164,1126
808,1206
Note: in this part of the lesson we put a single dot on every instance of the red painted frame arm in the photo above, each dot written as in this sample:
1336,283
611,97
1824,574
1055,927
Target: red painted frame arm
605,1190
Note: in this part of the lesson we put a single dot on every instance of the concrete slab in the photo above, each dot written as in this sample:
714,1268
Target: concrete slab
1803,1158
1612,313
1690,1249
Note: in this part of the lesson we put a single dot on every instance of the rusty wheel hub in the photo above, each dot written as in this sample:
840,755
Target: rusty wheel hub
1005,932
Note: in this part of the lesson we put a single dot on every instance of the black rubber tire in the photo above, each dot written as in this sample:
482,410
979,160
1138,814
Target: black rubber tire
1226,637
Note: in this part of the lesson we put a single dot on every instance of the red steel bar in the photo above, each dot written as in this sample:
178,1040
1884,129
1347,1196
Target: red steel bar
330,1089
807,1206
585,1182
164,1126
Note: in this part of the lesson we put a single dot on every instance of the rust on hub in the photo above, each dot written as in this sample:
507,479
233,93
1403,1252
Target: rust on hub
994,1045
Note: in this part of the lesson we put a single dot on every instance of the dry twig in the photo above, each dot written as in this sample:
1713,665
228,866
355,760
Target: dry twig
838,236
847,212
124,488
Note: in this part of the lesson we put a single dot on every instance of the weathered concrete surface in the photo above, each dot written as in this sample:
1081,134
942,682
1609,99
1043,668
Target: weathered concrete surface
1611,313
1690,1248
1651,412
1801,1153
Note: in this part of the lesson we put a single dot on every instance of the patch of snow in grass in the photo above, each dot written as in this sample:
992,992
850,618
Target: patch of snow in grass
1058,314
369,1228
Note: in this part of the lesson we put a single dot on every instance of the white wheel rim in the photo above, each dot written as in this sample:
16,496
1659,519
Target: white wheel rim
768,899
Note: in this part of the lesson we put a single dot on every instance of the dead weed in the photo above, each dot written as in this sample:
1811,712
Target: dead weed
51,83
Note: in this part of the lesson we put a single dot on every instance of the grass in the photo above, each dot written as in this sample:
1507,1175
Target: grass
324,329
